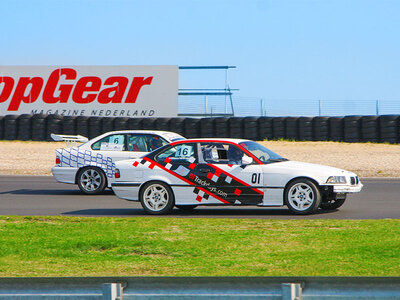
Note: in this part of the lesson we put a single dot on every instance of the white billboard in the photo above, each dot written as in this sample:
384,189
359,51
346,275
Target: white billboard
113,91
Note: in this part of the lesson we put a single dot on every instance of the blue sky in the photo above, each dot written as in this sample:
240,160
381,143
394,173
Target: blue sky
294,50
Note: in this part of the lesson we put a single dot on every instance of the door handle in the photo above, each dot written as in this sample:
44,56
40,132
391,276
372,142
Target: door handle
202,170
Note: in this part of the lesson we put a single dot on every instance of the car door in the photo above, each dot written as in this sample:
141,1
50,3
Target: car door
177,163
237,180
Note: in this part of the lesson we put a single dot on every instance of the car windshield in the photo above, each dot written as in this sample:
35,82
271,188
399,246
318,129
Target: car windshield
263,154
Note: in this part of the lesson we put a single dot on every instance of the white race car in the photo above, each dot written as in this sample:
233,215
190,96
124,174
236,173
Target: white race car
196,172
92,165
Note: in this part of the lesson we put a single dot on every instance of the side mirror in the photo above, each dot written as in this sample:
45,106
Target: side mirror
247,160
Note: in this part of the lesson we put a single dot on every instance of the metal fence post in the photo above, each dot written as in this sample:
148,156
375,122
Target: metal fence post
112,291
291,291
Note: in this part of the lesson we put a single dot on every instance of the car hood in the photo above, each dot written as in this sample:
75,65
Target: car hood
321,170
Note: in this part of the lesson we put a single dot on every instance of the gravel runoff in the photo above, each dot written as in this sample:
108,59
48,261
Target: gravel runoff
365,159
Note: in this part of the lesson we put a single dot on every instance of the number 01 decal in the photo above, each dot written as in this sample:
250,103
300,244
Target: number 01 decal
255,178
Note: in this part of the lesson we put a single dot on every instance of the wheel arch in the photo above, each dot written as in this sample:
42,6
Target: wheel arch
154,180
302,177
89,166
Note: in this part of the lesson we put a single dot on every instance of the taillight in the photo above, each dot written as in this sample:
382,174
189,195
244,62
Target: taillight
58,161
117,174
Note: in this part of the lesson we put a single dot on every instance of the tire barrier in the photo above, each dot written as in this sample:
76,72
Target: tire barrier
352,129
221,127
335,129
54,125
305,128
250,128
278,128
1,127
370,129
135,123
82,125
121,123
235,127
207,127
265,128
24,127
10,127
292,128
69,126
149,123
38,127
192,127
177,125
107,124
321,129
94,127
162,124
389,129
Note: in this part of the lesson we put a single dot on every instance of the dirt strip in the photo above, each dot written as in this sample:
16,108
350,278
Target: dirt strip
365,159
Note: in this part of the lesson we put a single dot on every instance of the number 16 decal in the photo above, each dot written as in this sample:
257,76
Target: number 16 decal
255,178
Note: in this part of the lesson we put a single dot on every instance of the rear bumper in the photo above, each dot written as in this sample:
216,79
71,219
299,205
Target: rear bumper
127,190
64,174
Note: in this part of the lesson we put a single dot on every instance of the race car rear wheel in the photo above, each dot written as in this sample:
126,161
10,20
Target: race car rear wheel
302,196
157,198
332,204
186,207
91,180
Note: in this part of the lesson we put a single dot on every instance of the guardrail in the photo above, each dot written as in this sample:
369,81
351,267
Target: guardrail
118,288
384,128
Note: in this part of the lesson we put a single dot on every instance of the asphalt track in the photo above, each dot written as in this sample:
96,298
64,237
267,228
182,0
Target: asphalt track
42,195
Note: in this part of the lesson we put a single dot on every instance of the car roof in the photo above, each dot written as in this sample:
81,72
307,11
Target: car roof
165,134
237,141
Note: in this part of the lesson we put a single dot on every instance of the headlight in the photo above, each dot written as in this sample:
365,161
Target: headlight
336,179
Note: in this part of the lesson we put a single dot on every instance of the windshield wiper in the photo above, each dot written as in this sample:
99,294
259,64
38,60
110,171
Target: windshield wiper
277,159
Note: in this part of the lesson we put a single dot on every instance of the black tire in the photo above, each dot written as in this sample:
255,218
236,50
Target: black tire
91,174
156,195
94,127
82,125
332,204
305,128
303,186
186,207
265,128
69,125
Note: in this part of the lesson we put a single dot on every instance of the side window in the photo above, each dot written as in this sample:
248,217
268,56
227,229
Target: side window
182,153
145,142
137,143
114,142
218,153
154,142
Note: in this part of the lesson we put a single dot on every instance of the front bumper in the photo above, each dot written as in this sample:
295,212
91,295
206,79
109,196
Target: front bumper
347,188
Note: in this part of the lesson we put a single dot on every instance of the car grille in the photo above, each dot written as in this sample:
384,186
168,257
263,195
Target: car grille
354,180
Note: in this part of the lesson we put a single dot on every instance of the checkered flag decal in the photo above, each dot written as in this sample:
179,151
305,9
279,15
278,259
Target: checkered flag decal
200,195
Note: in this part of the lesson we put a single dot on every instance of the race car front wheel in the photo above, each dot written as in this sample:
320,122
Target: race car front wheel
157,198
302,196
91,180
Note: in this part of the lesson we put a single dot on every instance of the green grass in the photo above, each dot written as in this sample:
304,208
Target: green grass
72,246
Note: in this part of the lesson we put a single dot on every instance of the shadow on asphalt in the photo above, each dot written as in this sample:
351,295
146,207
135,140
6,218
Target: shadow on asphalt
200,212
76,192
